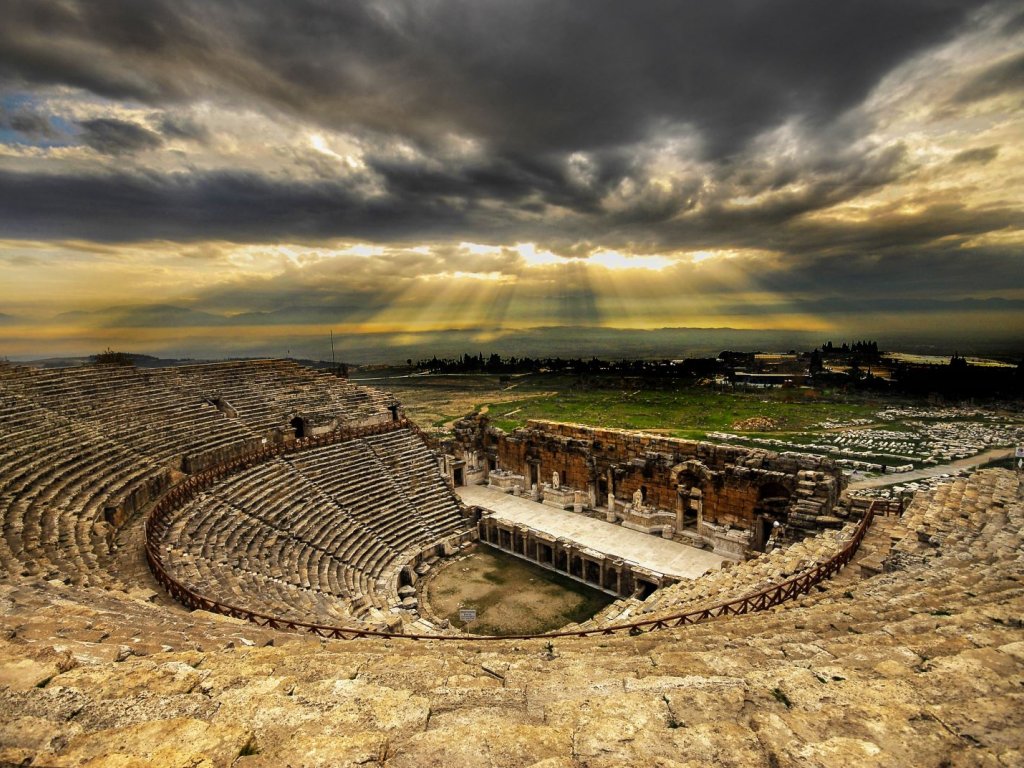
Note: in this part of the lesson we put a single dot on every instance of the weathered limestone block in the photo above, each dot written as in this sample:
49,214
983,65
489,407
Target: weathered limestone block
24,674
35,735
317,745
133,677
489,742
176,743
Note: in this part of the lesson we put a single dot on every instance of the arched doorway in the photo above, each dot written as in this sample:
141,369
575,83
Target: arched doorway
772,506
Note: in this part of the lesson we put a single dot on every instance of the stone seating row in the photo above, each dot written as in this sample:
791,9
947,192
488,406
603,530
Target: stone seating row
79,446
265,393
232,536
416,471
57,482
350,474
99,625
336,521
734,581
257,591
142,409
283,497
170,411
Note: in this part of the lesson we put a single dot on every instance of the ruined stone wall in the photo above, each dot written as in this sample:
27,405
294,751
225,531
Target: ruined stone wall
550,454
737,484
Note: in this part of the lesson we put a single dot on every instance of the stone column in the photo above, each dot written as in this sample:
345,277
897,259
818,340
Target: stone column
697,504
618,576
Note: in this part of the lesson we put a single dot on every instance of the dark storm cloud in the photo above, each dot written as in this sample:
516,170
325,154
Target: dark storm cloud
917,275
422,205
638,126
117,137
28,123
528,77
1004,77
513,180
119,49
980,156
178,127
187,207
531,82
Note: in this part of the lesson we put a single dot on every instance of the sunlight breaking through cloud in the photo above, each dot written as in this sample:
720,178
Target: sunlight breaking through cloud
446,167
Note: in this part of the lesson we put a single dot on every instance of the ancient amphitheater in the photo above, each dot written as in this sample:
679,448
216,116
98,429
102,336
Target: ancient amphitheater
215,565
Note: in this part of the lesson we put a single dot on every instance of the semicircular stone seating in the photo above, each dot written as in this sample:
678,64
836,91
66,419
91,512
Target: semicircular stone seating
913,655
317,536
83,450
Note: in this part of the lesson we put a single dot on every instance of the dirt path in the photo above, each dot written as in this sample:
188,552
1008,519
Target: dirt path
920,474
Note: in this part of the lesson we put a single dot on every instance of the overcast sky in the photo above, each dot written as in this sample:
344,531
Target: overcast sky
196,169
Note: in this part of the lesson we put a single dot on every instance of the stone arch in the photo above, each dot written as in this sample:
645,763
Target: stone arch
773,490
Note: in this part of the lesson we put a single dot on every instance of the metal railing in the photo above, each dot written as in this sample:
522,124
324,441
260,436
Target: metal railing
157,523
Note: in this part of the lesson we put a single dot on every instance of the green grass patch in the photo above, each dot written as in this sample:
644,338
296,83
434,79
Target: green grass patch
688,412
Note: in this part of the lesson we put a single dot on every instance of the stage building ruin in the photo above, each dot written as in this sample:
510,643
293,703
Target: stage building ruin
732,500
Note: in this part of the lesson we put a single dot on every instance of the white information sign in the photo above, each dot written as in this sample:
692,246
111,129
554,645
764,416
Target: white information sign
1020,452
467,615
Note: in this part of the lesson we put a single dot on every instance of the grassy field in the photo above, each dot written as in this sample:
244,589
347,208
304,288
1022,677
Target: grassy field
511,596
688,411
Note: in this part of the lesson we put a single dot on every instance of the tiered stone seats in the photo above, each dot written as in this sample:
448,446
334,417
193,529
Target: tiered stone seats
318,536
265,394
920,666
83,449
97,625
921,662
58,481
265,523
966,513
415,471
390,483
144,409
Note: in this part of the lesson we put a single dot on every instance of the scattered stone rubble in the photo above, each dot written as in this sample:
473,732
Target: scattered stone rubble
756,424
926,438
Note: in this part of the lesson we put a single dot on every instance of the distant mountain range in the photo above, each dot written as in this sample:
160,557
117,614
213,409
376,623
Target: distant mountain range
566,342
